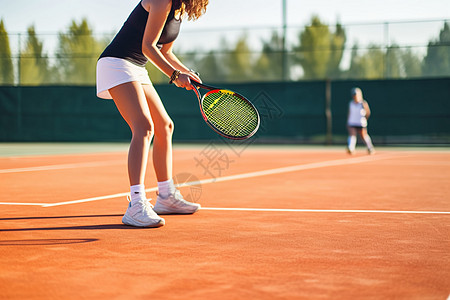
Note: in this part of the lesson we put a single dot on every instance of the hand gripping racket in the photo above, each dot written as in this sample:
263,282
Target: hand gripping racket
229,114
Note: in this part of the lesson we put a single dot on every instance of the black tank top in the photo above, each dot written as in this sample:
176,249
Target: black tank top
127,44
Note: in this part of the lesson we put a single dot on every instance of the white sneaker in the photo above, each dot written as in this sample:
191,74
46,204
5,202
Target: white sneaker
141,214
175,204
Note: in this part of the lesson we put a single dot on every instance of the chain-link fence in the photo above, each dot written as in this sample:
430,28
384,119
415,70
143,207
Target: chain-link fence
390,50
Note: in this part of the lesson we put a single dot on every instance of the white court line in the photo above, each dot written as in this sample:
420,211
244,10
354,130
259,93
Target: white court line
24,204
330,163
328,210
63,166
257,209
94,199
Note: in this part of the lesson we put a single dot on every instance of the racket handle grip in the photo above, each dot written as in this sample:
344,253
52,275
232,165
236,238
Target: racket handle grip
201,85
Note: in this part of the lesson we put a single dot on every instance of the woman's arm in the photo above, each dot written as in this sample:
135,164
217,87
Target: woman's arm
167,52
366,108
158,12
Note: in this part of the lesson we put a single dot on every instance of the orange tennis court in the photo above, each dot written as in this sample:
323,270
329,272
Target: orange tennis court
276,223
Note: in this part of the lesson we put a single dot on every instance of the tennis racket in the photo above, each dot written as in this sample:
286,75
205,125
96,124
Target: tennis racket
229,114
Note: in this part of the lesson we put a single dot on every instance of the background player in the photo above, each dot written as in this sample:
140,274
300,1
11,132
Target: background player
358,114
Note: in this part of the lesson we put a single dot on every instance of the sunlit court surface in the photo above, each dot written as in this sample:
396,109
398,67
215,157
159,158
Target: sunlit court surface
277,222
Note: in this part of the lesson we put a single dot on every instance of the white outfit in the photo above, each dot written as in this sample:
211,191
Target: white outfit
357,118
112,71
356,115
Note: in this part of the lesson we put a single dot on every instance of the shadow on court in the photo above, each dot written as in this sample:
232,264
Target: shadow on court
45,242
81,227
58,217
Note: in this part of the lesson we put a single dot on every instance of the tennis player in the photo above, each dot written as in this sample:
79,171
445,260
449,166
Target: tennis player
148,35
358,114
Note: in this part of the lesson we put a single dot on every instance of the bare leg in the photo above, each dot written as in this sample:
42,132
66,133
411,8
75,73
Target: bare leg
163,130
169,200
132,105
367,140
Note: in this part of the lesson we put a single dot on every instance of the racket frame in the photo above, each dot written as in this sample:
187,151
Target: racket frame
195,85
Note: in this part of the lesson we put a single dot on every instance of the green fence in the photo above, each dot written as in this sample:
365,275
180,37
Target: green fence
403,111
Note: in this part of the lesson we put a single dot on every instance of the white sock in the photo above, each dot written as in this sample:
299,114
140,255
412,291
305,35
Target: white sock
165,188
368,142
351,142
137,193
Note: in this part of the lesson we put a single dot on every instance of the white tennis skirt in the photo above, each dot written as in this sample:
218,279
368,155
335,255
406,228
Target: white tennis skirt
112,71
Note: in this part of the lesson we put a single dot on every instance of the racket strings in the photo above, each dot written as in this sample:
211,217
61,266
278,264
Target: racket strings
230,114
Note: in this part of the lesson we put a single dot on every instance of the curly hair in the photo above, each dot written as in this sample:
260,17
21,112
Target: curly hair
194,9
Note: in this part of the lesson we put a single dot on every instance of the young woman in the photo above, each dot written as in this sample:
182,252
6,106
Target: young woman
148,35
358,113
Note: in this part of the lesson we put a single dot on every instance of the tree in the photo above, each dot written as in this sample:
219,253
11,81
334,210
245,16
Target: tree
375,63
356,69
238,61
369,65
269,65
401,63
34,69
411,63
209,66
78,53
6,64
320,51
337,45
392,61
313,51
437,59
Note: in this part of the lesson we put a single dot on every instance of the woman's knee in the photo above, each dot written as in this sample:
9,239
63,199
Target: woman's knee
165,129
143,130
